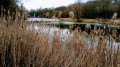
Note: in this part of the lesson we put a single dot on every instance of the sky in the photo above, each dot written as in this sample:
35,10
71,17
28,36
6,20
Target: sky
36,4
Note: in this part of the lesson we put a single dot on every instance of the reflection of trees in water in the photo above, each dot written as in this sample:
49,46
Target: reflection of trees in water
117,40
71,26
107,30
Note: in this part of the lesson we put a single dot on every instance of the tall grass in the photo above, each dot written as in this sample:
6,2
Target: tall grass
22,46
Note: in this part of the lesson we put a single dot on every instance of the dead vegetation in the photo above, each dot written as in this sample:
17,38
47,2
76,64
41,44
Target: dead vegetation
23,46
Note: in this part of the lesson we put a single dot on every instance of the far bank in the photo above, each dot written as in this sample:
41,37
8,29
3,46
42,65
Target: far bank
104,21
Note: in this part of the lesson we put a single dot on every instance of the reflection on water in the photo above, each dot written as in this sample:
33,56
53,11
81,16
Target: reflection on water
41,19
65,27
65,34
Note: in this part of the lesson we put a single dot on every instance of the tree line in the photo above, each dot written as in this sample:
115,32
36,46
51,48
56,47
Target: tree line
10,6
100,9
91,9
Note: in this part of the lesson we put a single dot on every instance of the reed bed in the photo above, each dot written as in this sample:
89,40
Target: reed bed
22,46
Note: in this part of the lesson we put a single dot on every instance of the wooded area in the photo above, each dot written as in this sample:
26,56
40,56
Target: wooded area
8,5
91,9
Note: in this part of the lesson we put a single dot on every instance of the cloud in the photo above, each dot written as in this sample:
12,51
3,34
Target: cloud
35,4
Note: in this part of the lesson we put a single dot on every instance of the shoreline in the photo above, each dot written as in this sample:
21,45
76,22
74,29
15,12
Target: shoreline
69,19
102,21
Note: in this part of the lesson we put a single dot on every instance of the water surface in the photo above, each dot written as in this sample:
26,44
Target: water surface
66,26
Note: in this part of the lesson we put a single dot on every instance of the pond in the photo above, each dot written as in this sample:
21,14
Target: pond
67,26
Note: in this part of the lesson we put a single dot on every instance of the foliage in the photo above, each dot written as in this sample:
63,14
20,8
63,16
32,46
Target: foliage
118,10
8,5
71,14
91,9
77,9
98,9
42,12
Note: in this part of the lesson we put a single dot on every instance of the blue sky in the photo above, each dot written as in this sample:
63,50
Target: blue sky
35,4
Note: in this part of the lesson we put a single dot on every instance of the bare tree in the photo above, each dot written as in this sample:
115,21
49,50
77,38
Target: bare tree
77,8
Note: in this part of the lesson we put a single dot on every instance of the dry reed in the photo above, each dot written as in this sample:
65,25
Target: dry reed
22,46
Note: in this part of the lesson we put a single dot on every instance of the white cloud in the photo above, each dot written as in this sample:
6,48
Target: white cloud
35,4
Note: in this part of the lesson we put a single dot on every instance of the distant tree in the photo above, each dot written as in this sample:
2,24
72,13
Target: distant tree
61,11
90,9
77,9
71,14
47,15
65,13
105,11
59,14
118,10
8,5
97,9
32,12
116,1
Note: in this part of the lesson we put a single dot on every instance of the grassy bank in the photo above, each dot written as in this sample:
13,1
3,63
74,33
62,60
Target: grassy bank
104,21
69,19
22,46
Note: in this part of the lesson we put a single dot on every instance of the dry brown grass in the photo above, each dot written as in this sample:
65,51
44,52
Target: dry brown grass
22,46
70,19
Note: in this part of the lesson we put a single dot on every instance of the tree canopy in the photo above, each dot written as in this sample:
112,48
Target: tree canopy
91,9
8,5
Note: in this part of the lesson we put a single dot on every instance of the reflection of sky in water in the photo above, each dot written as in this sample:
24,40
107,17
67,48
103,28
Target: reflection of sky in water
41,19
65,33
56,21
